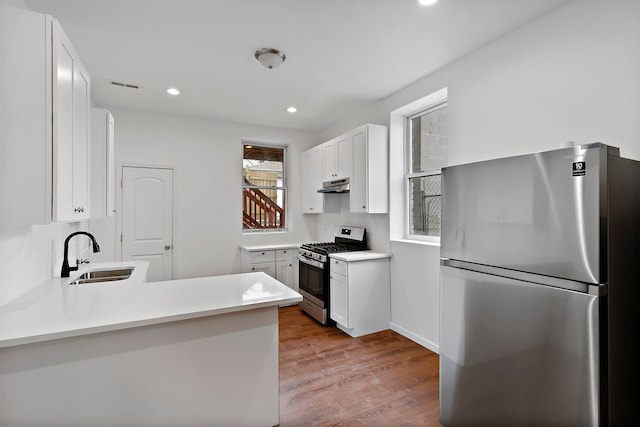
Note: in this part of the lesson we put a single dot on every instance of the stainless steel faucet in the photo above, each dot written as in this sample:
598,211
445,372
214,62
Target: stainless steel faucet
65,263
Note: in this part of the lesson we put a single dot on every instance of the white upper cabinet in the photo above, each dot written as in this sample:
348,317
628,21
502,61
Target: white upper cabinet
102,163
337,159
369,184
361,155
44,122
312,201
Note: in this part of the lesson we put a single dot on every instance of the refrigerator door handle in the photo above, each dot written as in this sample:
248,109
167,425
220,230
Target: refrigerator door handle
570,285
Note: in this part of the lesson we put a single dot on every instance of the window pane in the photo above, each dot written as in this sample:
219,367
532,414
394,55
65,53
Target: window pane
424,204
263,208
429,142
263,168
263,192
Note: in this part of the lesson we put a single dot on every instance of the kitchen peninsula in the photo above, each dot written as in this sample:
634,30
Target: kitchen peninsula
200,351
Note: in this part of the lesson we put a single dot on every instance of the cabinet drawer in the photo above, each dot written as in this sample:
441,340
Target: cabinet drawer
285,254
267,267
338,267
261,256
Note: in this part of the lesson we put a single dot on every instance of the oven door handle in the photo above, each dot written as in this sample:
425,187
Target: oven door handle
311,262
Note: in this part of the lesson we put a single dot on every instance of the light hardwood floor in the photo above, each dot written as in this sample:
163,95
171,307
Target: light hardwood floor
328,378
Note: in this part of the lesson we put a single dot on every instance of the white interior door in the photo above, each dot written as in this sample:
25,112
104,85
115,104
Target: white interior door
147,219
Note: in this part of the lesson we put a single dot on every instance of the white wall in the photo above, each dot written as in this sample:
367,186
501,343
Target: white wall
15,3
207,157
570,75
336,212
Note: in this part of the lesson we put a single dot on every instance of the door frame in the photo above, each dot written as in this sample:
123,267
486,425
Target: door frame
118,216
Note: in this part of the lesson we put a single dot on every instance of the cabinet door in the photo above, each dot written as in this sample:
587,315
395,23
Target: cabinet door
329,160
284,273
369,186
81,160
102,163
312,201
339,299
358,183
70,131
345,157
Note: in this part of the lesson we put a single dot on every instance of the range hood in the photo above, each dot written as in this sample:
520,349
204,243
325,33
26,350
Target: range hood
335,186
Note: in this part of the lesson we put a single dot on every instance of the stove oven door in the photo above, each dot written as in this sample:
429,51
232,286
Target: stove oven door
312,281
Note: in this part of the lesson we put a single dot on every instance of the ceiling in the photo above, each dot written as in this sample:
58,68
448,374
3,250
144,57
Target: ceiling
342,55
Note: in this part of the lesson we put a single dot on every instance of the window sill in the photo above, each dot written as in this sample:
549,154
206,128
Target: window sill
416,242
262,232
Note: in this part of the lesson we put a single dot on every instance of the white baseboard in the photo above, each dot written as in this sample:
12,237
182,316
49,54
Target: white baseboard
413,337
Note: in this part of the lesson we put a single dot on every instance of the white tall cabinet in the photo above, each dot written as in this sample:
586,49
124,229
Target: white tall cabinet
44,122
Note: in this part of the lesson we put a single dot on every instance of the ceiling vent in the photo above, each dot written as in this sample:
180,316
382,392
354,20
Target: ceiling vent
127,85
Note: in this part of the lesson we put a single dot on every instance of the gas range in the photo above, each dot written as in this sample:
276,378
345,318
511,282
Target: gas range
320,251
314,269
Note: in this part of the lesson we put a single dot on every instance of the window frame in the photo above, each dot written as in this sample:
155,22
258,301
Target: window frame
409,175
283,187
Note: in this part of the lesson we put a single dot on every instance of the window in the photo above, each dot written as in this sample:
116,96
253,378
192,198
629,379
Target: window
264,190
427,144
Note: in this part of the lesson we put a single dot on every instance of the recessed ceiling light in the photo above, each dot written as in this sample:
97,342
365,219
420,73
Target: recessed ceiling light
173,91
427,2
292,109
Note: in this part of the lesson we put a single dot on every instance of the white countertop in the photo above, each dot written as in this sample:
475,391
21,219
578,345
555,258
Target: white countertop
359,256
273,247
57,310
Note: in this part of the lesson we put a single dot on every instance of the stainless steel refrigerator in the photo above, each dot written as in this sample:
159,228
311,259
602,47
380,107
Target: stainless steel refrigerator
540,272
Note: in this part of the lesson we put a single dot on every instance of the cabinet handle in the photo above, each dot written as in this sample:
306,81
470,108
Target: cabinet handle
79,210
253,269
364,207
167,247
262,253
284,252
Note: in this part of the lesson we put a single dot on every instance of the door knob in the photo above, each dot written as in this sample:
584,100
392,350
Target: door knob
167,247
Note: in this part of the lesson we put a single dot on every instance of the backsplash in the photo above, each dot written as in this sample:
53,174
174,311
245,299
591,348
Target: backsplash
32,255
336,212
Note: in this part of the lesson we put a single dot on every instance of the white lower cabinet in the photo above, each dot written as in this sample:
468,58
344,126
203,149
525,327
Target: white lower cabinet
360,294
278,263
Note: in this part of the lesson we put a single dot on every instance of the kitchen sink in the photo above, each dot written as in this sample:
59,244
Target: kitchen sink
97,276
